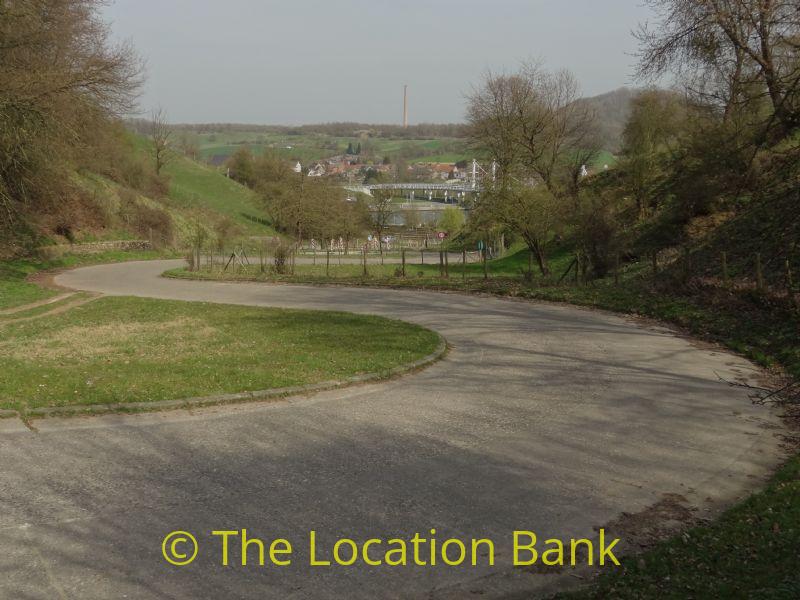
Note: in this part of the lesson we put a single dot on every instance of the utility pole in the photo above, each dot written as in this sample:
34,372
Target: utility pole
405,107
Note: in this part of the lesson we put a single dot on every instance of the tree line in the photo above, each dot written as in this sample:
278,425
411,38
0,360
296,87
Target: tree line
63,85
301,206
723,139
339,129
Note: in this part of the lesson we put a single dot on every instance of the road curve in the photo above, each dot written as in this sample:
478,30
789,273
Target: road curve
542,417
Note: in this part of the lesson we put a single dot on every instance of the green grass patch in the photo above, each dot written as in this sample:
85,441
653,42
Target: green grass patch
54,304
752,551
120,350
315,146
193,185
16,291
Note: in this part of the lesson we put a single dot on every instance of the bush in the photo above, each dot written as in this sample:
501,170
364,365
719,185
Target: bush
282,259
154,224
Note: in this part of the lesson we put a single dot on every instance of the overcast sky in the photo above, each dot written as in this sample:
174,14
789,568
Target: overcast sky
302,61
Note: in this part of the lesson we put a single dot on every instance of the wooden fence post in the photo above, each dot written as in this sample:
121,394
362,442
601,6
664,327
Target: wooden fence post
485,264
328,263
464,264
446,264
365,262
403,255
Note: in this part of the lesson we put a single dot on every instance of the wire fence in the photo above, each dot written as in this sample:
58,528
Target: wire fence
366,259
293,259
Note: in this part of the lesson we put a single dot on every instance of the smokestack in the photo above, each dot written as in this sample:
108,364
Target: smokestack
405,106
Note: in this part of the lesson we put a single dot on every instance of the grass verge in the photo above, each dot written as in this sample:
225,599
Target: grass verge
751,551
16,290
124,350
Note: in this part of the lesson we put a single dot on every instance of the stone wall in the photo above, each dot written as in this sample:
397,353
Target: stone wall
95,247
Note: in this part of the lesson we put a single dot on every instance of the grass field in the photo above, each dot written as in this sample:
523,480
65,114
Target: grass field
194,185
16,291
312,147
119,350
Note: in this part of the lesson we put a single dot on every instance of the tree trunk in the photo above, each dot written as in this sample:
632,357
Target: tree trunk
535,246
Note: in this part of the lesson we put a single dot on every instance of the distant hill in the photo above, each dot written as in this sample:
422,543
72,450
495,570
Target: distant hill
613,110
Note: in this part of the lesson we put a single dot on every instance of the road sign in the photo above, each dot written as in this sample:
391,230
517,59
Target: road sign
441,235
481,245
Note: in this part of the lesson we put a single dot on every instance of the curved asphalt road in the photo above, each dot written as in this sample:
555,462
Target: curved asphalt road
543,417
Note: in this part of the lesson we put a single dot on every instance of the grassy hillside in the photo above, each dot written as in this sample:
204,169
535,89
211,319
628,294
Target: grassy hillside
133,203
193,186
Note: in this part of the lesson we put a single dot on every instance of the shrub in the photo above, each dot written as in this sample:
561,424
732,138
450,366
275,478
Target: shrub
282,259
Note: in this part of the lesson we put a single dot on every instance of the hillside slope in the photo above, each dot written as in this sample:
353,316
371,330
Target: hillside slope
186,200
196,186
612,110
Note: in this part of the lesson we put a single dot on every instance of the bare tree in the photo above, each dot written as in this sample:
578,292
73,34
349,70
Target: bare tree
532,126
734,53
351,218
650,144
160,134
61,79
381,215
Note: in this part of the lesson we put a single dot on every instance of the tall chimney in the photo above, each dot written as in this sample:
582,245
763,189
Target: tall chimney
405,106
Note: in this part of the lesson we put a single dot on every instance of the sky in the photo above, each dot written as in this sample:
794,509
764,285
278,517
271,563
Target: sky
300,61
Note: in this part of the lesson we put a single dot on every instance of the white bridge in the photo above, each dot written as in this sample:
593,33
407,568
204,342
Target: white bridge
462,187
452,189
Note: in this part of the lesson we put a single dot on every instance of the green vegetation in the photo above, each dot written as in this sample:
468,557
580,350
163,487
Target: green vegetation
54,304
750,552
119,350
193,185
16,291
351,271
302,207
309,147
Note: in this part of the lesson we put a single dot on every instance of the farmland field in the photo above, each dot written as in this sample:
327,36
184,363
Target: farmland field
311,147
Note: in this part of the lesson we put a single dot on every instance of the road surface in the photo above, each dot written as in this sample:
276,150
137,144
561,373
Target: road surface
542,417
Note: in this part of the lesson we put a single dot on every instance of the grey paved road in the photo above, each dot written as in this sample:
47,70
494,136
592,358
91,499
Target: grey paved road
543,417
